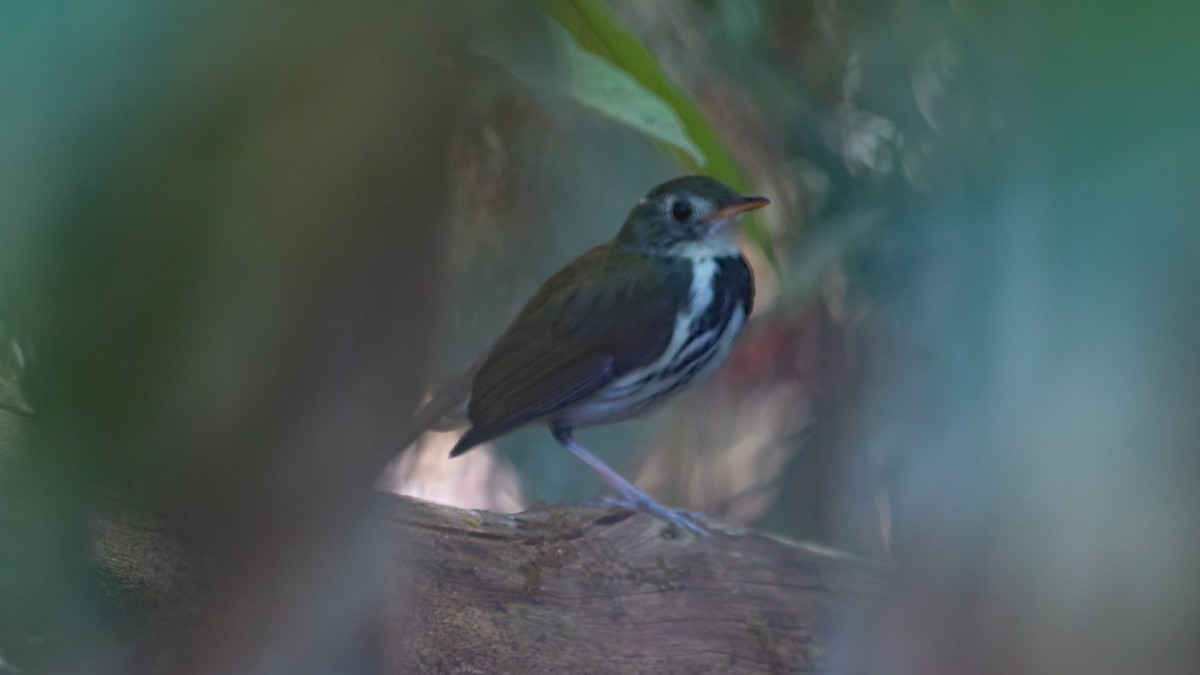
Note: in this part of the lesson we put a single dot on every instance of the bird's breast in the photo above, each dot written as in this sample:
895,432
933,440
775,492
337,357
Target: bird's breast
704,332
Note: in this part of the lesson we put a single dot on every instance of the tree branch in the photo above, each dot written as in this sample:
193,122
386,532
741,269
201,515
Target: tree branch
555,589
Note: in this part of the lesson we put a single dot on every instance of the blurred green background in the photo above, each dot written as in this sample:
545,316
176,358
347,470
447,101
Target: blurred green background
238,240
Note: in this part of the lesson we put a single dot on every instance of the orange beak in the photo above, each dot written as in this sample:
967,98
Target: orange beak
739,205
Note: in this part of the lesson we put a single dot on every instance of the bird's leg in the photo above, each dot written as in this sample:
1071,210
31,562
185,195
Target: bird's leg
628,493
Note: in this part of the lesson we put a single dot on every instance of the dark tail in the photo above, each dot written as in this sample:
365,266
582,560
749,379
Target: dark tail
447,404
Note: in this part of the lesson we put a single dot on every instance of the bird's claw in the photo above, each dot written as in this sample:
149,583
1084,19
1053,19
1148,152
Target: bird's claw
678,519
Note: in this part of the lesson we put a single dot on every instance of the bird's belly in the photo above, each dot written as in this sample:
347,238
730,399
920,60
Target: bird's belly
688,362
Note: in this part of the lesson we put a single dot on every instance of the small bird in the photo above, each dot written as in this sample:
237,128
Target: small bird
613,335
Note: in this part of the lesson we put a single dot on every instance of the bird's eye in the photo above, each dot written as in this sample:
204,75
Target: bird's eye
681,211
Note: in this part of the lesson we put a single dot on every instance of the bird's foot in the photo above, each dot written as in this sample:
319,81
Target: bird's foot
678,519
628,494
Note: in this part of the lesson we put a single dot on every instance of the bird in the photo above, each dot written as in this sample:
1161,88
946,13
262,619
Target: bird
615,334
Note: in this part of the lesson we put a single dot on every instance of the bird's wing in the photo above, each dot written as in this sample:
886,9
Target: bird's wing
607,313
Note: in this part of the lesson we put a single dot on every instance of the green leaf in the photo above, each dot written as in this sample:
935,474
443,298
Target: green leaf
598,84
595,29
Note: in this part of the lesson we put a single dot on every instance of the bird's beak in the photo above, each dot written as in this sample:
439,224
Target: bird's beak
737,207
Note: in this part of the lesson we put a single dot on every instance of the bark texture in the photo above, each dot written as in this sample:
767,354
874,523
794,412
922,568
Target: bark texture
553,590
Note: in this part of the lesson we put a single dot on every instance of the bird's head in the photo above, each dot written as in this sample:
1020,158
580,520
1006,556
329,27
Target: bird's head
694,215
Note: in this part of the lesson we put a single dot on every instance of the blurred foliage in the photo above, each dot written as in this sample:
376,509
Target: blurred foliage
976,358
206,240
14,362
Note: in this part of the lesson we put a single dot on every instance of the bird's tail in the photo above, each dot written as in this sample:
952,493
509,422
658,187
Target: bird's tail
445,407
